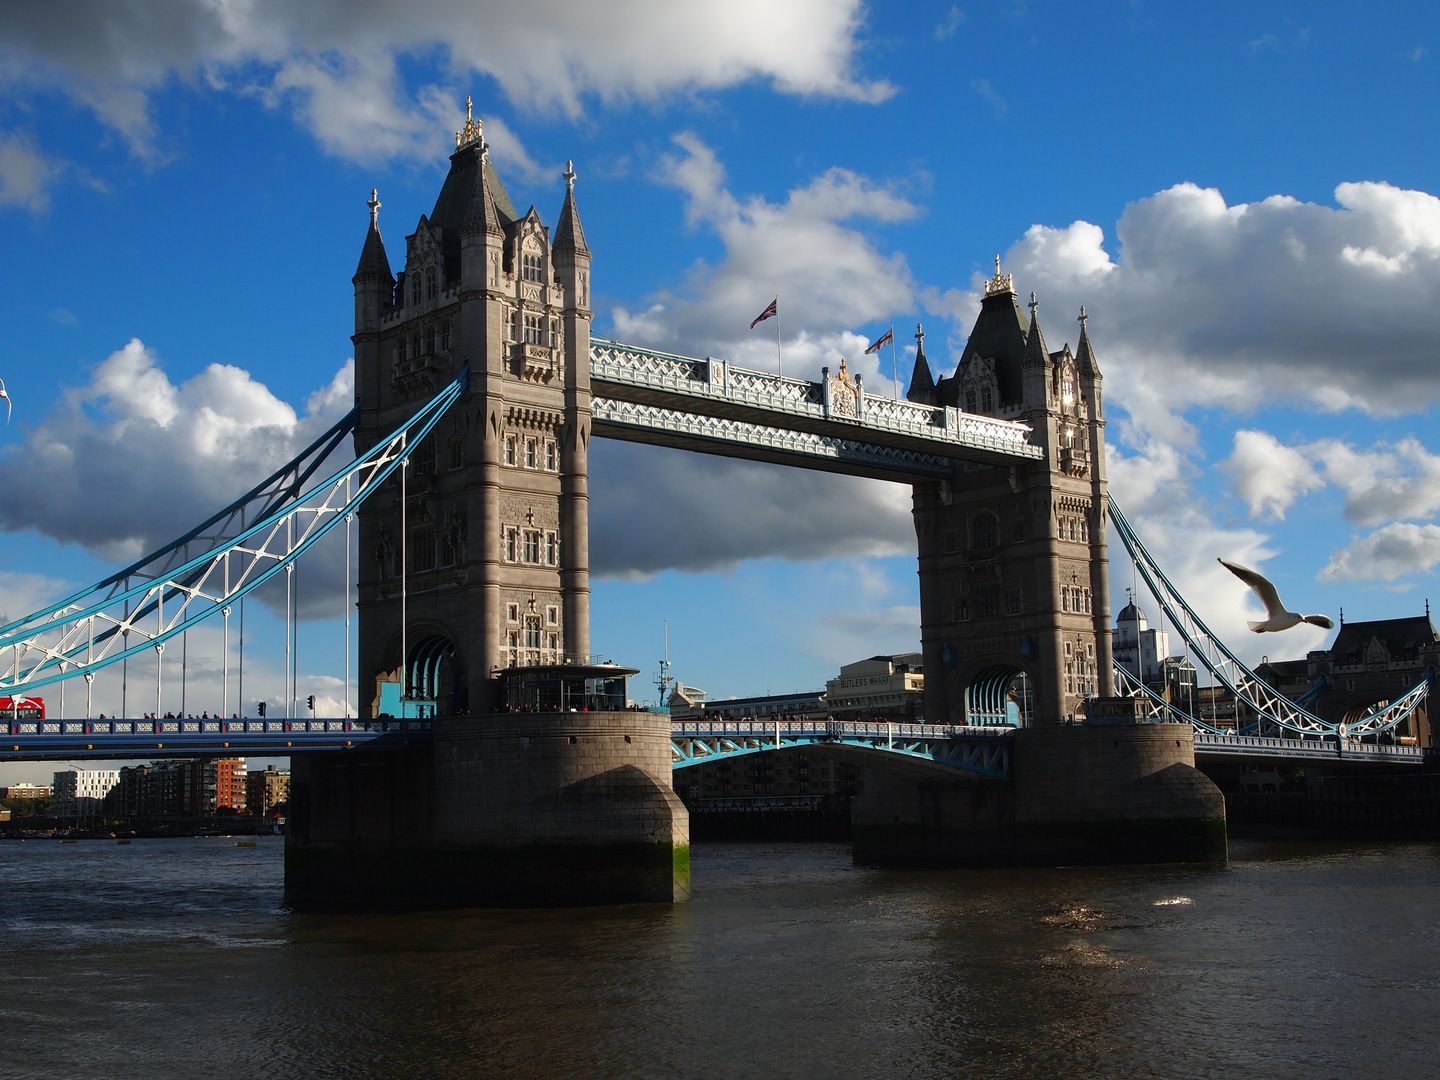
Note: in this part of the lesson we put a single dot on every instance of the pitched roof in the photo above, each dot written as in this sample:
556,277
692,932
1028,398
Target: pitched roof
472,181
1001,332
569,236
1084,354
1396,634
922,385
373,261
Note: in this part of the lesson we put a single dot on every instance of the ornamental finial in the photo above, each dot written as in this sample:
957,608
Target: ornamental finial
569,175
1083,319
473,129
919,335
1033,305
1000,282
374,205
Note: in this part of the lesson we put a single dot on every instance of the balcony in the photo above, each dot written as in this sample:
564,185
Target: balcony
1074,460
534,363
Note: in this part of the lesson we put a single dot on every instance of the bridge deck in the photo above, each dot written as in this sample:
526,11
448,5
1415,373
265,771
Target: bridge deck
977,749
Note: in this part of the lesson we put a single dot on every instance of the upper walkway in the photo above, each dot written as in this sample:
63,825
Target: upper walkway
712,406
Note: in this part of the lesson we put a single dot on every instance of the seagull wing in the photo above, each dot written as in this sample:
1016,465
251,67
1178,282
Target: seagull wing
1260,585
1321,620
9,405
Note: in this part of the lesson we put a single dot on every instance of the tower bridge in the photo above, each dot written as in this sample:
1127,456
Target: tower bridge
478,388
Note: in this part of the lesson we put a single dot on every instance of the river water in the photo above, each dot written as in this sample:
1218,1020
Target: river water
177,958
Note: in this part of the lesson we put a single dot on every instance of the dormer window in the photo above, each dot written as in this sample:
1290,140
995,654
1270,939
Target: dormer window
987,401
531,267
429,283
1067,386
970,401
415,291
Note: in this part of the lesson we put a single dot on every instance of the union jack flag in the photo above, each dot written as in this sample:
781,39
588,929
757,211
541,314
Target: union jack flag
768,313
885,339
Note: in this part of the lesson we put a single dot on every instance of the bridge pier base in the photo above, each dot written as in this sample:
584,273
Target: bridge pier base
1083,794
506,810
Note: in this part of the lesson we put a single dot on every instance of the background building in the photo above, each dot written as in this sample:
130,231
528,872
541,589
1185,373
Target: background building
880,688
25,791
81,792
1369,663
266,789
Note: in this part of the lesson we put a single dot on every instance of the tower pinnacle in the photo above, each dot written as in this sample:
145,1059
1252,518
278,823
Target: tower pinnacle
1000,283
473,132
569,175
374,205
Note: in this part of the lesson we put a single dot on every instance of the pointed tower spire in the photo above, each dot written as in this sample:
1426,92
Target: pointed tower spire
374,265
922,384
1084,354
481,214
1035,351
569,236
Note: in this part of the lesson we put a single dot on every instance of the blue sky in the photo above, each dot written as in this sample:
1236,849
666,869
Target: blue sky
1239,193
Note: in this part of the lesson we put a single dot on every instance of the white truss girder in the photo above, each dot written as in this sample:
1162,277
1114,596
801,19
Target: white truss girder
165,594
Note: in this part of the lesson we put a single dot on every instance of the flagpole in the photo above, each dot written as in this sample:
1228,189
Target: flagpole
894,364
779,364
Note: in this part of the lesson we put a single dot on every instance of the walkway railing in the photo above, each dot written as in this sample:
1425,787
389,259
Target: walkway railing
720,383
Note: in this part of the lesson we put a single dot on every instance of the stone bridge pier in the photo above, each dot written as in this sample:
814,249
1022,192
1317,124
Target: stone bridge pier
506,810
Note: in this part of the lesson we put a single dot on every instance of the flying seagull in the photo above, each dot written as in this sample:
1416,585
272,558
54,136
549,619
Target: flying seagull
1279,619
9,405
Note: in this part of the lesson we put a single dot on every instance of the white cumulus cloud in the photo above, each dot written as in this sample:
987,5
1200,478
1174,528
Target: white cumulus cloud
338,66
1395,551
1268,475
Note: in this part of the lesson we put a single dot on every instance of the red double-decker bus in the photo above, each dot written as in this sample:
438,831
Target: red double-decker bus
22,708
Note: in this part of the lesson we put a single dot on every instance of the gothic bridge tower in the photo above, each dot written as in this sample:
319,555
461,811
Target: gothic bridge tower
496,520
1014,578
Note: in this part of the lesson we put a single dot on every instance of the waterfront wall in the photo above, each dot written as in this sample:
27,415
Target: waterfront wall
516,809
1078,794
1388,802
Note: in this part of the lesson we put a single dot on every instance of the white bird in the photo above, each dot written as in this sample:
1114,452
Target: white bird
9,405
1279,619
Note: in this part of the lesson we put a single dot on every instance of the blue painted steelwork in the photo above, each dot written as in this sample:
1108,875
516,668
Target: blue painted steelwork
91,630
68,740
982,750
1273,711
987,698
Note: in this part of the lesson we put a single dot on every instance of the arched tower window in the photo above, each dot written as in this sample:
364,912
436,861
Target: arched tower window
984,530
430,283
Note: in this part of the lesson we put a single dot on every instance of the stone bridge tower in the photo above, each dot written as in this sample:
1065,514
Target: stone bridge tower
495,525
1014,578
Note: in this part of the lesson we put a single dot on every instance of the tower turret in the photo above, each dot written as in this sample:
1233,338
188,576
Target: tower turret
922,384
374,298
571,258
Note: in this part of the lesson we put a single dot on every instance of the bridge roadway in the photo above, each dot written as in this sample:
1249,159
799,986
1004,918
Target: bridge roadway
642,395
982,750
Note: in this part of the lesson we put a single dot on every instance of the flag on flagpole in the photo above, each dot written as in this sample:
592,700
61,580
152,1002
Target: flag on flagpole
887,338
768,313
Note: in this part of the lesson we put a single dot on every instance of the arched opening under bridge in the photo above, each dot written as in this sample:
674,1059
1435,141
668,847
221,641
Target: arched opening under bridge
1000,695
430,675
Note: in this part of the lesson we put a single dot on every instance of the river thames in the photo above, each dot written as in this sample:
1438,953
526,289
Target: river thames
178,958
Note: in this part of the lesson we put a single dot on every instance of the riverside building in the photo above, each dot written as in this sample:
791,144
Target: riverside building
81,792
